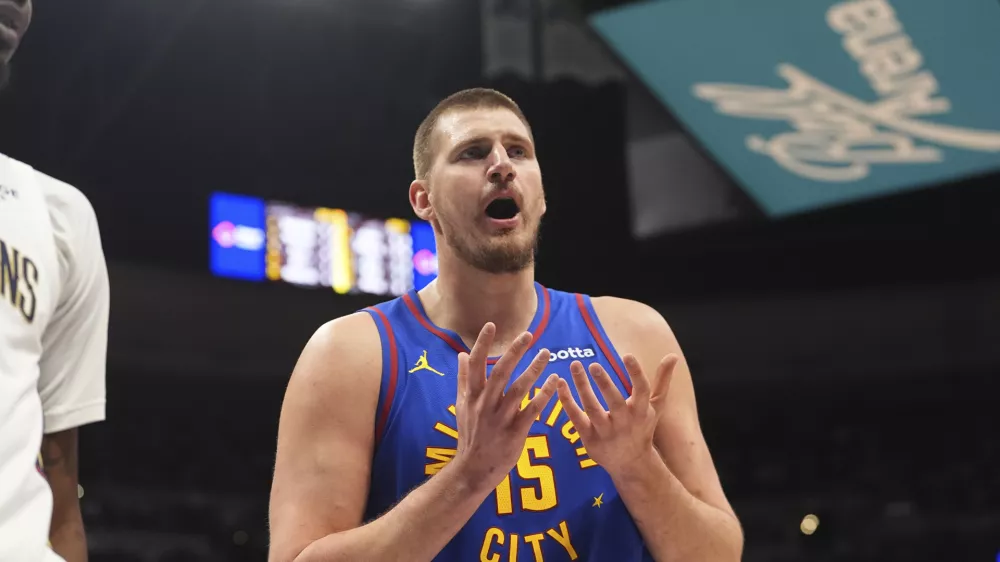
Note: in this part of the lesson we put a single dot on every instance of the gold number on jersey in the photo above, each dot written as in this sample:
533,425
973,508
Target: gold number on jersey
533,498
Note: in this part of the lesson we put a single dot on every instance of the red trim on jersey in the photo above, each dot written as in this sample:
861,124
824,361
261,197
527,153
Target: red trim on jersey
544,321
459,346
605,348
426,323
390,392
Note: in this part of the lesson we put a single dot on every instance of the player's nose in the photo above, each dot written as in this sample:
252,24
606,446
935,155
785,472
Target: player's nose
501,168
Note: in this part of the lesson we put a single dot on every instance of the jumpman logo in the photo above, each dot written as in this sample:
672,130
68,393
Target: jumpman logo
423,365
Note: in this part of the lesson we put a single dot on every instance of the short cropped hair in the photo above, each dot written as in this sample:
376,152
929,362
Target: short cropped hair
473,98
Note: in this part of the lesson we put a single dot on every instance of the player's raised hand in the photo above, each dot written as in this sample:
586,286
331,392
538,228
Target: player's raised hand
616,437
492,426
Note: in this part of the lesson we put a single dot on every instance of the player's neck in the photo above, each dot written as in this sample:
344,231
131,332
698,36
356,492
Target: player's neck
463,299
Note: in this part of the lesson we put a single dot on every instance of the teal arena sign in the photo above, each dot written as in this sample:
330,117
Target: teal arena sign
811,103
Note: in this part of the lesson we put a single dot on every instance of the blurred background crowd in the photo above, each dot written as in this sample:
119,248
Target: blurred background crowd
806,190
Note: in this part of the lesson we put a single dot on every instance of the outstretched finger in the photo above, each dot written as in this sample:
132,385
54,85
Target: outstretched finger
520,387
664,374
591,405
640,382
477,359
588,399
538,402
612,396
573,410
506,364
463,376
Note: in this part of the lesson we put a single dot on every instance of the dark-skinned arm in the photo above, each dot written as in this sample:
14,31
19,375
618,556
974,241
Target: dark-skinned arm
59,461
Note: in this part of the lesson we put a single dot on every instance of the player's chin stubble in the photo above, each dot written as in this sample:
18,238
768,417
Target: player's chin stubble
510,255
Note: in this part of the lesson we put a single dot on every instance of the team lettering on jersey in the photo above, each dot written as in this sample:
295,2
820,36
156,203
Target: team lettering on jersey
531,466
18,280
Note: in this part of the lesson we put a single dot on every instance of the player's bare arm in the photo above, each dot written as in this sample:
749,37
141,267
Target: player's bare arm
59,459
651,442
326,442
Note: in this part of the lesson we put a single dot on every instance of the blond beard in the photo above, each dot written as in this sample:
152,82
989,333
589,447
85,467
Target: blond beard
497,259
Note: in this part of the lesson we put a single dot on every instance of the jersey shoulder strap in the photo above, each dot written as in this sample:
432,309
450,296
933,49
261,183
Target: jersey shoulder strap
387,317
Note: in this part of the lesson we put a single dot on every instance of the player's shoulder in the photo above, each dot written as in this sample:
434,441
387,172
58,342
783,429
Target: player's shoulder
66,198
618,305
345,346
356,331
56,193
70,211
337,375
636,328
632,318
613,310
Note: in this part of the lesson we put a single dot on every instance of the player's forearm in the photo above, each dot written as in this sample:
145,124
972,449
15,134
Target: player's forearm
59,462
415,530
69,540
675,525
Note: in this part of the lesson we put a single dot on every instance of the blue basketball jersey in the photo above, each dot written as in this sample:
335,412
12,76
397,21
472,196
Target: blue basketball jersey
556,505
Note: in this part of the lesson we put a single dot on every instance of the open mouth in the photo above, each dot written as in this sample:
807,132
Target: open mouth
504,208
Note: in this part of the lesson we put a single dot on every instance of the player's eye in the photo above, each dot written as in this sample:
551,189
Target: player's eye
517,152
473,153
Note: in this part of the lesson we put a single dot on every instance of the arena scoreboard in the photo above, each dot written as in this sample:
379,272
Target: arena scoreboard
350,253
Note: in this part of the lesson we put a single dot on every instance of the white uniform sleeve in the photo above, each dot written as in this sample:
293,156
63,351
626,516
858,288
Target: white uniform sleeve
74,345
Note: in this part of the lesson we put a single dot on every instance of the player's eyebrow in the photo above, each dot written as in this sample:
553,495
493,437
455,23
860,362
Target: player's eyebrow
519,139
479,138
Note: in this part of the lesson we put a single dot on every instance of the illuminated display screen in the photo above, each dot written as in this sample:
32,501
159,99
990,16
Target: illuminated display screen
347,252
237,236
424,254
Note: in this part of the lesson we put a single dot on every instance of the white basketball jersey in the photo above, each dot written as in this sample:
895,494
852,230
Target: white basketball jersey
53,341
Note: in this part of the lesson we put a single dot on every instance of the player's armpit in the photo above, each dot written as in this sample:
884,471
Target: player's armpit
639,329
326,437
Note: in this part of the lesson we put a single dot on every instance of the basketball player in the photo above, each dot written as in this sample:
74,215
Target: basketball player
53,342
424,428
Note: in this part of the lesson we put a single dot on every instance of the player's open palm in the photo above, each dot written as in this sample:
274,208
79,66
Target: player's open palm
492,426
622,434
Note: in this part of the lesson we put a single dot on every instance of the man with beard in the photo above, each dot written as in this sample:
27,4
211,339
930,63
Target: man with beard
423,386
53,344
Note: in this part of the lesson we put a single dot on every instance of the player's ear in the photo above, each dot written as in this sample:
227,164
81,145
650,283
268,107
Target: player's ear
420,200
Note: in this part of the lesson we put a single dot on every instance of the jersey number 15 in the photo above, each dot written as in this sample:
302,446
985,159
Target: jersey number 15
533,498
